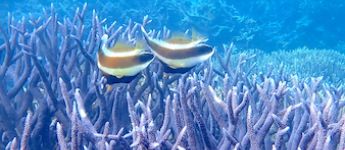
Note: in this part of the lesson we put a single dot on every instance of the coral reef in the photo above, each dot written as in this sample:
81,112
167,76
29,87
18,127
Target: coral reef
53,97
303,62
306,62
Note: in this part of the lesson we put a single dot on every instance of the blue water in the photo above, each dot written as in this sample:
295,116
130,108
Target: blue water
266,25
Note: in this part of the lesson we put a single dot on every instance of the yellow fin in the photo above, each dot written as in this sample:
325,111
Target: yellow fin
179,39
185,38
196,36
122,47
140,44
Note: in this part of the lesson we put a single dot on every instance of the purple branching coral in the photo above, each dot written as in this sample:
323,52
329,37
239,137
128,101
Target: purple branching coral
54,97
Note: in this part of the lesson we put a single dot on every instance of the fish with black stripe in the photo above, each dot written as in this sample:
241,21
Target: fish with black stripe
123,62
179,54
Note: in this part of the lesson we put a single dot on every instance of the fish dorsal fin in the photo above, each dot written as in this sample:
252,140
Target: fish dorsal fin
121,46
125,46
140,44
185,38
179,38
196,36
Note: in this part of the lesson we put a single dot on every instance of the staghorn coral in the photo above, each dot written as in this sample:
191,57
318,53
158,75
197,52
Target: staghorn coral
303,62
54,97
306,62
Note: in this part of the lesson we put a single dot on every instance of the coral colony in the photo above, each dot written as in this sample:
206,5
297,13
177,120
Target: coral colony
54,96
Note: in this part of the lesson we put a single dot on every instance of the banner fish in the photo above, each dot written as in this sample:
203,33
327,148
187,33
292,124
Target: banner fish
179,54
123,62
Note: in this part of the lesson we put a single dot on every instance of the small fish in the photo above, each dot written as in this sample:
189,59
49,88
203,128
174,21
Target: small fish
123,62
179,54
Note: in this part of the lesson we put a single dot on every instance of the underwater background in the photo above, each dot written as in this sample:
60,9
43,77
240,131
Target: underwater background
266,25
275,80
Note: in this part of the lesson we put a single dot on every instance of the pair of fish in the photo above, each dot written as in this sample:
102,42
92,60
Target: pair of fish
123,62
